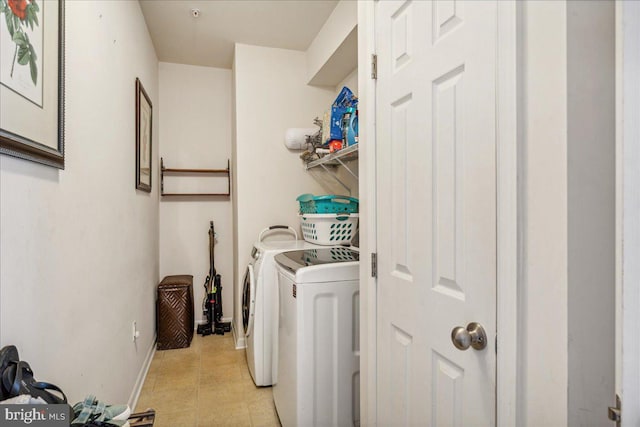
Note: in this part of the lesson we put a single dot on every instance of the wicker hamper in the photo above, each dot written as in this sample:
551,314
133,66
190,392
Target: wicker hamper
175,312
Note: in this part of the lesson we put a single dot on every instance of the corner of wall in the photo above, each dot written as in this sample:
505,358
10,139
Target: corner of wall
237,296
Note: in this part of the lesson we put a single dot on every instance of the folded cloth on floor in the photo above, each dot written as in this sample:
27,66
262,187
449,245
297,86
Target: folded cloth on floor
24,399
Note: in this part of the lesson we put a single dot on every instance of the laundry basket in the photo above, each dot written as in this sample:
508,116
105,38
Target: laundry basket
330,203
329,229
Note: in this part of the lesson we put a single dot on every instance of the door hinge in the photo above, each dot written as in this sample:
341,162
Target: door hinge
374,66
374,264
615,412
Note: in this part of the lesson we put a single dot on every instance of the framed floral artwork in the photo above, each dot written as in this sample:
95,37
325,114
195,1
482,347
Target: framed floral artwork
144,114
32,80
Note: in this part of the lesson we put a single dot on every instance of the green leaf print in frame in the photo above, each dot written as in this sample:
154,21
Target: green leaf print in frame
32,80
21,52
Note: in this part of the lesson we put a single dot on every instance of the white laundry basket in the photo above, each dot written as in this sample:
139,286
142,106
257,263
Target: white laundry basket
329,229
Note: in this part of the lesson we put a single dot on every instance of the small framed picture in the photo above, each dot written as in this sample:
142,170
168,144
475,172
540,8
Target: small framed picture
144,114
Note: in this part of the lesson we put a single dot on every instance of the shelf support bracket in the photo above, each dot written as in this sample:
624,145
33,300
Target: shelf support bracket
335,176
347,168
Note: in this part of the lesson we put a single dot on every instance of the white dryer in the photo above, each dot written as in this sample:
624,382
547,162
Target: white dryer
258,300
318,353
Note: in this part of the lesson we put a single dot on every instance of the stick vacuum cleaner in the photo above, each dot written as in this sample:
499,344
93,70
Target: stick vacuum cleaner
212,303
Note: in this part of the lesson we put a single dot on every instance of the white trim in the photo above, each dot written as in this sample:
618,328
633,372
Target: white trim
618,227
367,190
238,339
142,375
628,200
507,215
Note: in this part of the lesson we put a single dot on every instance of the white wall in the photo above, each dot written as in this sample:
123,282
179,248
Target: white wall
333,53
350,81
271,95
591,210
79,247
628,210
567,213
543,311
195,132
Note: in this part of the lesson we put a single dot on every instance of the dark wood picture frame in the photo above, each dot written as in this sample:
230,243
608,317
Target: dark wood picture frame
23,147
144,138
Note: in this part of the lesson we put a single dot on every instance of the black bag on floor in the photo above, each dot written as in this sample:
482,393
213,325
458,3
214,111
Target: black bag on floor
8,356
16,378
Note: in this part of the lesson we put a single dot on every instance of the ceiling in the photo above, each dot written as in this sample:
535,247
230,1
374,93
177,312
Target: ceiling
209,39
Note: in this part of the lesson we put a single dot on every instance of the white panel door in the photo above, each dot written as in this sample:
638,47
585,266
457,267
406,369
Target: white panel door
436,210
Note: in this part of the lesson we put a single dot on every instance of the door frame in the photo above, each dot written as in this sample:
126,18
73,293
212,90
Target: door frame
628,209
508,242
367,191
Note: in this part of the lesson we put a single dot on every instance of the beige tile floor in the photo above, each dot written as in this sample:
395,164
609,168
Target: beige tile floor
207,384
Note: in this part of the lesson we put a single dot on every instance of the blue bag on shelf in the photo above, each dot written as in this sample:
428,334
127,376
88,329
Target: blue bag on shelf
346,99
336,123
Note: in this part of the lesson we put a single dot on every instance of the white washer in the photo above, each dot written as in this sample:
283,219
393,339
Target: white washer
318,338
258,300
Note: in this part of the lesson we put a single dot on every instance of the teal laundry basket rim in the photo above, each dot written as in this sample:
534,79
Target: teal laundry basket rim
329,203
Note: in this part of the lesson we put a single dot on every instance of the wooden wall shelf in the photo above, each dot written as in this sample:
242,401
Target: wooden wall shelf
191,171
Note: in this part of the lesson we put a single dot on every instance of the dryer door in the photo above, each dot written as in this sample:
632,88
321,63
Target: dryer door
248,300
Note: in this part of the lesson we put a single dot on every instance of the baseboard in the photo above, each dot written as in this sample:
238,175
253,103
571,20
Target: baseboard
137,388
238,338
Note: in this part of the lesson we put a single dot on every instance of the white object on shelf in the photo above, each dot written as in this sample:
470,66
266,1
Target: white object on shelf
296,138
329,229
